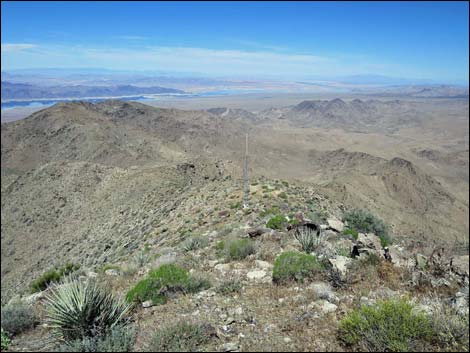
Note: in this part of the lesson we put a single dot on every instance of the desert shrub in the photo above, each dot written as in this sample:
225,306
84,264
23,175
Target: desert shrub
390,326
294,221
164,281
309,239
450,329
235,205
52,276
366,222
180,337
140,259
5,341
351,233
295,266
17,318
282,195
228,287
75,310
120,338
194,243
238,249
276,222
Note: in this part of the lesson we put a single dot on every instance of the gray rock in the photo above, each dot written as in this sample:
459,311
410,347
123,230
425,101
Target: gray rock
256,275
340,263
335,224
460,265
230,347
264,265
147,304
323,307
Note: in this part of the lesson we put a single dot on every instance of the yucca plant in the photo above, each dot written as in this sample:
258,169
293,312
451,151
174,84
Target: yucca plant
76,309
194,243
309,239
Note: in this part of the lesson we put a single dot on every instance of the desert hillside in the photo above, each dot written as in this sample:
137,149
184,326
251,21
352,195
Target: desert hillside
120,189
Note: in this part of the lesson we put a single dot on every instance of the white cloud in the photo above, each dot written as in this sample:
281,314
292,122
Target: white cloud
10,47
226,62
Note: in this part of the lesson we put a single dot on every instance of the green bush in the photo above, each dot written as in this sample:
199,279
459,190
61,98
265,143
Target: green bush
52,276
120,338
238,249
5,341
17,318
294,266
276,222
366,222
75,310
282,195
180,337
165,280
390,326
351,232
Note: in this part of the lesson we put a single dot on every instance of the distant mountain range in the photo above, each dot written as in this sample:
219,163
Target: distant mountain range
28,91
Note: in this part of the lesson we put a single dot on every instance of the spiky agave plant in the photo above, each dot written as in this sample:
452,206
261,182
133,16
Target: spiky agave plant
309,239
77,309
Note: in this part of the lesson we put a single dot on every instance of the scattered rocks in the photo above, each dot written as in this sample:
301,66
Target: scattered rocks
368,244
256,232
322,290
323,307
223,268
111,272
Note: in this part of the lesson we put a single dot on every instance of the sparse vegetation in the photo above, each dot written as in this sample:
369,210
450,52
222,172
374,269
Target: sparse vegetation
163,281
228,287
364,221
391,326
17,318
276,222
450,329
238,249
5,340
120,338
180,337
282,195
52,276
294,266
76,310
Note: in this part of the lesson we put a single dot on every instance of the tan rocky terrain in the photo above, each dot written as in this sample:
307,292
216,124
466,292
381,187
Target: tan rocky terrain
101,184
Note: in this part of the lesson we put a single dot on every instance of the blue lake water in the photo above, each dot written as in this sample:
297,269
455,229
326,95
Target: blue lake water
45,103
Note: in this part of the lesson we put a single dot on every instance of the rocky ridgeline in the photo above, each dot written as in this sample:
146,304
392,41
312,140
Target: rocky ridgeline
247,307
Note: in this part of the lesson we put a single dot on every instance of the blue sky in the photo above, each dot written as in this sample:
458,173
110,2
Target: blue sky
426,40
